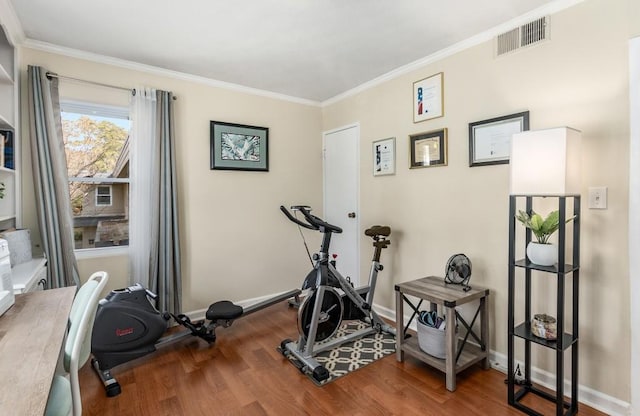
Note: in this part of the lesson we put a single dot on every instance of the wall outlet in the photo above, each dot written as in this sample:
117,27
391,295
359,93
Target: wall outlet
598,197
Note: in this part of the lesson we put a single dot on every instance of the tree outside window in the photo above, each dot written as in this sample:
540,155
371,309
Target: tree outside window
96,146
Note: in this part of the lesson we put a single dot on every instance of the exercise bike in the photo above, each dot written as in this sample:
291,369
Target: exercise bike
331,298
128,326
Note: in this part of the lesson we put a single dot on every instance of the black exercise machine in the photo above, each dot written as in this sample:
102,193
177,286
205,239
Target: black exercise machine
128,326
331,298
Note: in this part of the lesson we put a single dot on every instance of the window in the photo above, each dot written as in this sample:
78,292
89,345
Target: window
103,195
96,140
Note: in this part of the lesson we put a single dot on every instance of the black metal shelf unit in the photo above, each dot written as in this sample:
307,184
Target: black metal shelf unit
565,340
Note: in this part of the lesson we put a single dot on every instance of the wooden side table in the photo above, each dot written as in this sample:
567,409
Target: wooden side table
437,292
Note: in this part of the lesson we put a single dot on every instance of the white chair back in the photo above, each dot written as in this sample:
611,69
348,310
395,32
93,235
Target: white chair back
78,346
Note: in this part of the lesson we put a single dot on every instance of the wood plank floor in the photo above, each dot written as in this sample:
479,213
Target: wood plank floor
243,374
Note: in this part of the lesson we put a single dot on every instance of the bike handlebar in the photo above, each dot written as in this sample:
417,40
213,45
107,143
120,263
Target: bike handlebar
313,222
295,220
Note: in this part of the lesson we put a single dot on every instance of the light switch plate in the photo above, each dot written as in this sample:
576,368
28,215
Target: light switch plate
598,197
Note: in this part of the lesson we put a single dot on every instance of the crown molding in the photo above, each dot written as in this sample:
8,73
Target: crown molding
16,34
122,63
12,26
548,9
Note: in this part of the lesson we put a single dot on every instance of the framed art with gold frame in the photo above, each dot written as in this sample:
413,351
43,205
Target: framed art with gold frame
428,98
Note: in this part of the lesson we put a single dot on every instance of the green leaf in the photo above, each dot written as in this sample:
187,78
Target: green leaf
541,228
550,224
536,222
523,217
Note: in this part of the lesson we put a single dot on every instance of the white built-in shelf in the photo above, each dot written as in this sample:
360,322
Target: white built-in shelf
26,275
5,78
5,123
9,205
7,59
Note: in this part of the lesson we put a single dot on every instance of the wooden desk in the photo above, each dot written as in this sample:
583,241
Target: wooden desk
437,292
32,333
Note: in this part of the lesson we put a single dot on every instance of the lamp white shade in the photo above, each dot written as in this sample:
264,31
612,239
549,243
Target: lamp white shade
545,162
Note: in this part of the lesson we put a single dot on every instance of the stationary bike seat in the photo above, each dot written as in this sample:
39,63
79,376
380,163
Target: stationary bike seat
376,230
223,310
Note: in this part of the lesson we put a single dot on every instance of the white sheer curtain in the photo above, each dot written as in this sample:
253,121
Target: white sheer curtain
153,221
144,187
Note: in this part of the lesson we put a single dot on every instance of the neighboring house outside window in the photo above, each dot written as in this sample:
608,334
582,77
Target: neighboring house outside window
96,139
103,195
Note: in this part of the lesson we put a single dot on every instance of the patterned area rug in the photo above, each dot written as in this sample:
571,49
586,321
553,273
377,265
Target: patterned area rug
351,356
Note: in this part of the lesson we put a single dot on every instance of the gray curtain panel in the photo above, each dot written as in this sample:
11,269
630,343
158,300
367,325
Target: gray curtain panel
165,275
50,178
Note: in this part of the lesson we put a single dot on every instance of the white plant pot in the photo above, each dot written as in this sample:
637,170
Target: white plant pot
542,254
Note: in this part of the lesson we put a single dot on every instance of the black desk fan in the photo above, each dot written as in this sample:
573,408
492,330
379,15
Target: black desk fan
458,271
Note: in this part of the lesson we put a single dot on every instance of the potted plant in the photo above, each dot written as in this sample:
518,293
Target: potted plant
541,252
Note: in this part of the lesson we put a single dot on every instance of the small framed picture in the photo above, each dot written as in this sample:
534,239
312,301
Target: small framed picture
490,140
384,157
239,147
428,149
428,98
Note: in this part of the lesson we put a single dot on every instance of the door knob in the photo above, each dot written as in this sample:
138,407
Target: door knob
351,215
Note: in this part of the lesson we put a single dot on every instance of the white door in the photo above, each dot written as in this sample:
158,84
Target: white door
341,196
634,206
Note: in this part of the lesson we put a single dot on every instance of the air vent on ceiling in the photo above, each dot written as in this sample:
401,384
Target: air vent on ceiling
526,35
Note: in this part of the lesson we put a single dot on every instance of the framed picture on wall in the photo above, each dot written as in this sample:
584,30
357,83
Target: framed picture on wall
428,98
384,157
490,140
239,147
428,149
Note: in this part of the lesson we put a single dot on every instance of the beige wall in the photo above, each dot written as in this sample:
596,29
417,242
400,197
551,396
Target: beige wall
235,242
580,79
237,245
634,18
116,266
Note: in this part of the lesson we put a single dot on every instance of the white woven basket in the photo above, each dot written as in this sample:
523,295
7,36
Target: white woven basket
432,340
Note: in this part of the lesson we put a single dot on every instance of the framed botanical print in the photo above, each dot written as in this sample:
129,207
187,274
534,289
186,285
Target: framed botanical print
239,147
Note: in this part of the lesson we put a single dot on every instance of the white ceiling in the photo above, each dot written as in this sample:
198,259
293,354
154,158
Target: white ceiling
309,49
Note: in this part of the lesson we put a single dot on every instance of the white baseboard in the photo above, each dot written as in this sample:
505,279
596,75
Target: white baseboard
592,398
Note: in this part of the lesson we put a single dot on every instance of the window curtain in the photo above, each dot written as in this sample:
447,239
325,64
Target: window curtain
50,178
153,222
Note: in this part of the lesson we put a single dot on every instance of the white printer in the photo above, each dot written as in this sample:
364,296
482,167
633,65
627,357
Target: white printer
7,298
